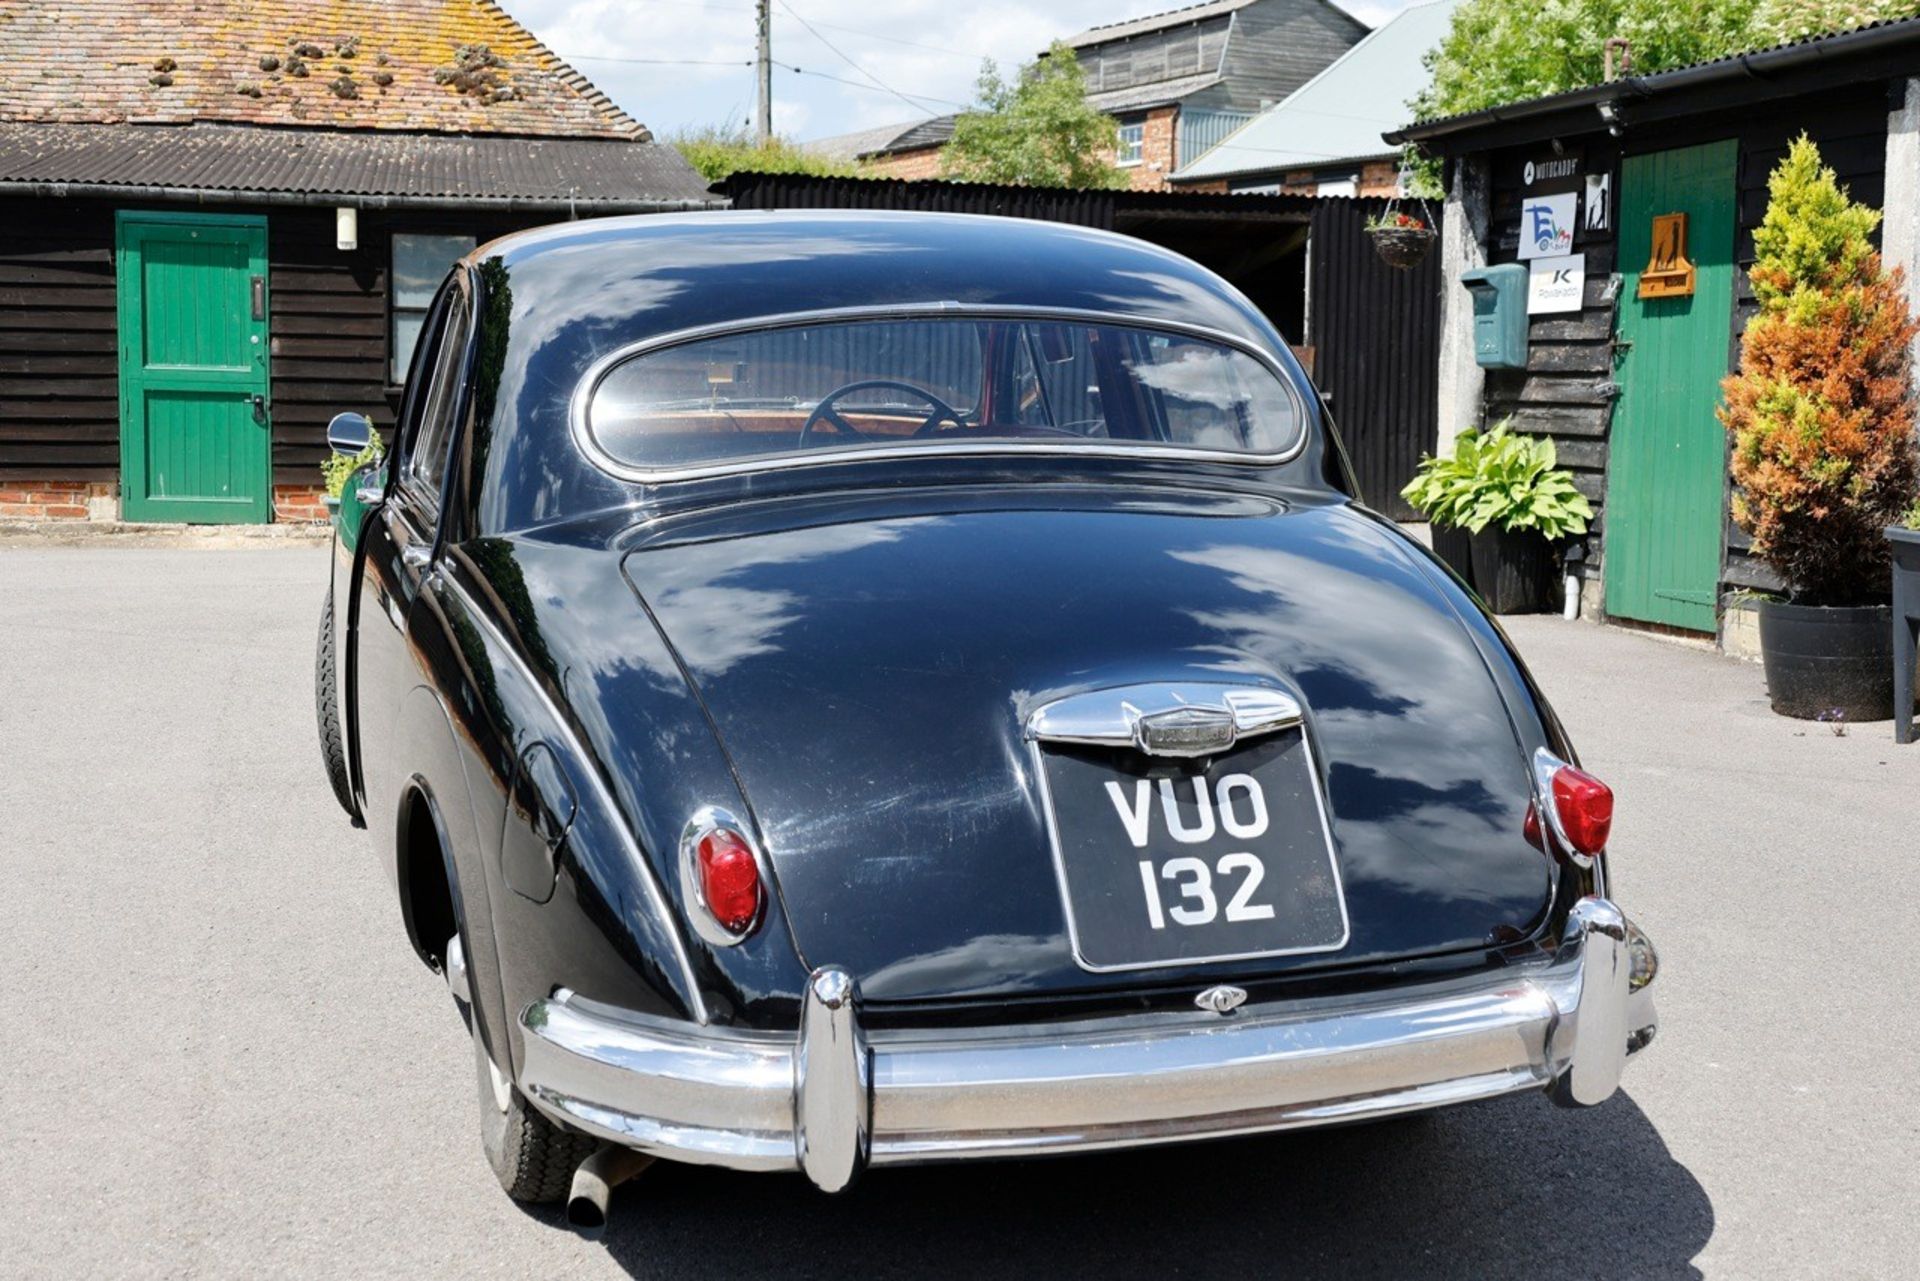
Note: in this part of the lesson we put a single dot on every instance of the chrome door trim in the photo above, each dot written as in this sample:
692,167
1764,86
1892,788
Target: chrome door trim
600,368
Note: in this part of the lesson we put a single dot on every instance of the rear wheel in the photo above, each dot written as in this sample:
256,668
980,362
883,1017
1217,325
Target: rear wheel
333,752
533,1158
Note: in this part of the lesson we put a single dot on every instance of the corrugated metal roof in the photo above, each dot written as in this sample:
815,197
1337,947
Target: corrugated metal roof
1838,43
861,142
1155,22
378,166
1340,113
413,65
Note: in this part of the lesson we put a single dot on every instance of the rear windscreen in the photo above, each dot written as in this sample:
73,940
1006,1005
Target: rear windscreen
849,385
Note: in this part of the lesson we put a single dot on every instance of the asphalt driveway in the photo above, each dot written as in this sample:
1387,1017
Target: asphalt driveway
220,1057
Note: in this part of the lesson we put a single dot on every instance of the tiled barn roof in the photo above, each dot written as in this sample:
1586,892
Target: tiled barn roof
459,66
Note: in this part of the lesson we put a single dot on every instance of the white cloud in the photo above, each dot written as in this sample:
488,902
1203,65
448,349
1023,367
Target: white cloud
929,50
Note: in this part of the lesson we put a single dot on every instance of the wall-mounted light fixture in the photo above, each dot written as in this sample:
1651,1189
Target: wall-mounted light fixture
346,228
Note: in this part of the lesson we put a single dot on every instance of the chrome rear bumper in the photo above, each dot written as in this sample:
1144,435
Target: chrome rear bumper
835,1098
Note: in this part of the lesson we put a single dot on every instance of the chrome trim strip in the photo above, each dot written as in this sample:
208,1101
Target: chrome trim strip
655,895
582,432
829,1099
1125,715
1060,863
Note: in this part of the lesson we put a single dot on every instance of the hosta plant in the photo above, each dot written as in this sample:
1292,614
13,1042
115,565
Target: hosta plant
1501,479
1821,412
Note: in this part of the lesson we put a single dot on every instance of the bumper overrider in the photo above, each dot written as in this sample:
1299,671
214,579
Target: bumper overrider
835,1098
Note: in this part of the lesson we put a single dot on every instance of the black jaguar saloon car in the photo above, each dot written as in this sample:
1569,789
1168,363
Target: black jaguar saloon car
835,690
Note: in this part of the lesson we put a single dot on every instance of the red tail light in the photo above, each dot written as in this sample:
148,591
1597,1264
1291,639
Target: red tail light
729,879
1584,806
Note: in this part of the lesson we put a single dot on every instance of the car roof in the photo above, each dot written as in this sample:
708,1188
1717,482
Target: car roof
669,272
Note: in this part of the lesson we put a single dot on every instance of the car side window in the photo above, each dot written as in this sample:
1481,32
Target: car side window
427,460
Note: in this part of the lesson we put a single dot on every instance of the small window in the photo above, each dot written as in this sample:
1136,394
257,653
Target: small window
420,263
427,464
1132,144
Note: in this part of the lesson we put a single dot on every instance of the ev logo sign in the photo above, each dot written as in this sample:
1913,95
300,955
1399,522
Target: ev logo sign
1546,225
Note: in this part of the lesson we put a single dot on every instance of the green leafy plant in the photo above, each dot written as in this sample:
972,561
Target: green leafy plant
335,469
1499,478
719,152
1035,128
1821,412
1499,51
1912,519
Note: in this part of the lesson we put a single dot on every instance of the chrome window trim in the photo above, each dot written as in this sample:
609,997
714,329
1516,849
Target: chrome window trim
656,896
589,383
1038,734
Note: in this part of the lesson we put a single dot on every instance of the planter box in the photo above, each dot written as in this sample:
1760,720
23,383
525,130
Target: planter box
1513,572
1905,545
1454,546
1824,659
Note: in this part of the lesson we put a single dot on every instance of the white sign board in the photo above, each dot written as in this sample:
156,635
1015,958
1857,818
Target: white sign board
1546,225
1555,284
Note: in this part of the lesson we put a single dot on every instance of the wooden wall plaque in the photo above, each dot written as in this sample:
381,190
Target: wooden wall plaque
1668,273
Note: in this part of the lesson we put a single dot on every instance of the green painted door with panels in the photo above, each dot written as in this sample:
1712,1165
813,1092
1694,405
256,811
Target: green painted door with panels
1666,458
196,443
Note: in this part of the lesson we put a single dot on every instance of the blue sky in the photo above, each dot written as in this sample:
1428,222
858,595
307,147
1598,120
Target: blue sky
891,60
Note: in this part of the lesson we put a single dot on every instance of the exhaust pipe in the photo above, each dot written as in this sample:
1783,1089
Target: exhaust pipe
605,1169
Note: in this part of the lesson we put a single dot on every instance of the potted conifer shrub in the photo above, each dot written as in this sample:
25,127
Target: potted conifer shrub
1508,495
1823,453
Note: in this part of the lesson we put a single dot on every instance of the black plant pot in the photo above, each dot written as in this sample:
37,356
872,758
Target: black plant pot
1828,658
1512,570
1454,546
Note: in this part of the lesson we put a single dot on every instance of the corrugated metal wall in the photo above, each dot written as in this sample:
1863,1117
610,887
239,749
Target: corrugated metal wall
1375,331
1200,130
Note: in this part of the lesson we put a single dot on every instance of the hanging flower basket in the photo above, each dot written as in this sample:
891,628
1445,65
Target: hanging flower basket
1401,240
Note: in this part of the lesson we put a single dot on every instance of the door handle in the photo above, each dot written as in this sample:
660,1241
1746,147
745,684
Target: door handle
259,409
416,555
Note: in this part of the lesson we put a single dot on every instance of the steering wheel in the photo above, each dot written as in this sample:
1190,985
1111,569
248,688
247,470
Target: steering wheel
826,412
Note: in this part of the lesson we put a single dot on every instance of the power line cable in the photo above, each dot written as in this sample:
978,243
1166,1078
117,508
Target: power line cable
842,55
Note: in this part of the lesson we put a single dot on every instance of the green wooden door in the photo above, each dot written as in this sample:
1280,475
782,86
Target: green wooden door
195,443
1666,461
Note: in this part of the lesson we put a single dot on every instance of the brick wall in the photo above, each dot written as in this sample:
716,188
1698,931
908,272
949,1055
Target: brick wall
911,165
55,499
1159,154
298,503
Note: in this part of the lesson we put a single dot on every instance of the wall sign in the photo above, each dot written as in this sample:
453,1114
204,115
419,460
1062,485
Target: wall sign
1668,274
1551,173
1599,201
1546,225
1556,284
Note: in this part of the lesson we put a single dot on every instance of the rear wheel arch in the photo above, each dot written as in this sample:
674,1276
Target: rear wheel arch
429,903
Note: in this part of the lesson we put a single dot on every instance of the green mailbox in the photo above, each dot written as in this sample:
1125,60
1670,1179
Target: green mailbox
1499,315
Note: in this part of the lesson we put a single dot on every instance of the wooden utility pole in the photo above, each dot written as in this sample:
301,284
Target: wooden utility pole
763,69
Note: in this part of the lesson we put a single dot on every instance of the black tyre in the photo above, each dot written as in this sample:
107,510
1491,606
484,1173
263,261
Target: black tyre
533,1158
333,752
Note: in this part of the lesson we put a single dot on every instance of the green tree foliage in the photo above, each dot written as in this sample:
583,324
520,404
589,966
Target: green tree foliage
1821,412
719,152
1035,129
1508,50
1778,21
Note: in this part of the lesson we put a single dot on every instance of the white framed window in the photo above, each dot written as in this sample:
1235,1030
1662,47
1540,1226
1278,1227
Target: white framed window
1131,143
420,262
